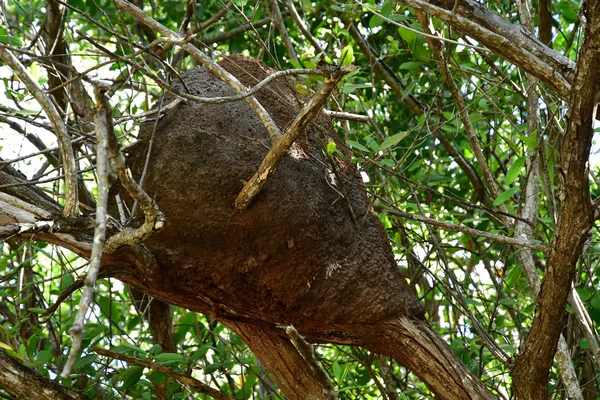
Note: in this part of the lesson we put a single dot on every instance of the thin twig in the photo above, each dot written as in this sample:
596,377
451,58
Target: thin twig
182,378
207,62
471,231
347,116
153,218
102,122
60,130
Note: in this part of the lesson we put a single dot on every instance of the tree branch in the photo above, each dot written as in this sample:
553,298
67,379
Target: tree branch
473,232
102,121
575,219
25,383
182,378
504,39
310,110
207,62
60,130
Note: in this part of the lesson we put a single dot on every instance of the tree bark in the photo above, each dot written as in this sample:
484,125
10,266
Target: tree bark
25,383
574,222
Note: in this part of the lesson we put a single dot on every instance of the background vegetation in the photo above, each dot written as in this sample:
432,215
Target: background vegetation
451,132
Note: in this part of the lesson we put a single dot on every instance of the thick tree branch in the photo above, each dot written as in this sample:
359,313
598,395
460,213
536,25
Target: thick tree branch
504,39
574,222
24,383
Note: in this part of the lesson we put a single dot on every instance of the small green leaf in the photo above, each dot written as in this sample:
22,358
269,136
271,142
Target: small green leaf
347,56
44,356
595,301
169,357
357,145
331,146
410,65
392,140
507,194
211,368
513,276
337,371
514,170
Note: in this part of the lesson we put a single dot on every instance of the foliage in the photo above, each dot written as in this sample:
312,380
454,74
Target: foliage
409,161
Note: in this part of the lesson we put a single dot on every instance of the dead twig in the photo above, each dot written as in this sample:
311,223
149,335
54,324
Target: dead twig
60,130
310,110
102,121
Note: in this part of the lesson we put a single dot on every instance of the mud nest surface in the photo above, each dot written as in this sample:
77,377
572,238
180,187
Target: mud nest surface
295,255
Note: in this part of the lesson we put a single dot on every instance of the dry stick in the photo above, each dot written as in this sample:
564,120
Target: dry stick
207,62
310,110
102,122
450,227
278,20
347,116
311,39
60,130
182,378
153,218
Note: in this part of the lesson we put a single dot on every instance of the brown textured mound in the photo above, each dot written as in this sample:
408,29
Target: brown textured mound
294,256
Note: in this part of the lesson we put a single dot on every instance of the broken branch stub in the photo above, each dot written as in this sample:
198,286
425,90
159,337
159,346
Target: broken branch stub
309,112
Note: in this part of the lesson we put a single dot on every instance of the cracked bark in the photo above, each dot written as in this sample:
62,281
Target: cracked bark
574,222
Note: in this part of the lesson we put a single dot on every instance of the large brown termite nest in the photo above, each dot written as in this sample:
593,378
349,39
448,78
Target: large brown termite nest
295,255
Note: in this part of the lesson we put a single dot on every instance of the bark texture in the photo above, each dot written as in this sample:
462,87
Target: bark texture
23,383
574,222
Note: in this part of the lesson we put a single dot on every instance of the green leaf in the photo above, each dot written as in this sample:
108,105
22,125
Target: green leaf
331,146
386,10
514,170
595,301
169,357
357,145
392,140
514,274
211,368
84,361
337,371
410,65
44,356
347,56
507,194
131,376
